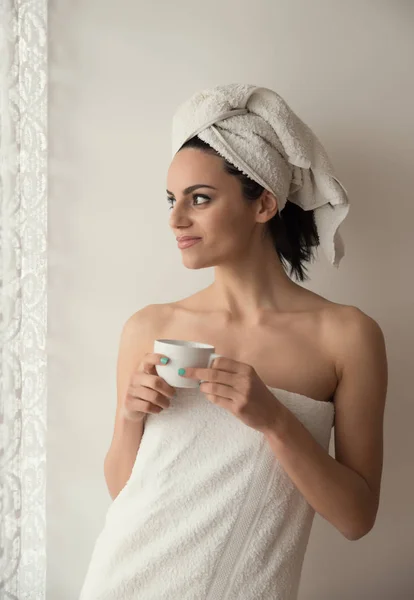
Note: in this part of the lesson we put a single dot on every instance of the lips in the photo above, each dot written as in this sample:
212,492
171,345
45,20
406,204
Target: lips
186,243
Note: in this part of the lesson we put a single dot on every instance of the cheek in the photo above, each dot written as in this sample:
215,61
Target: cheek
227,221
236,227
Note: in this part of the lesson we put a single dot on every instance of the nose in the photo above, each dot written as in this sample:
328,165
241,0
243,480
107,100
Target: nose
179,218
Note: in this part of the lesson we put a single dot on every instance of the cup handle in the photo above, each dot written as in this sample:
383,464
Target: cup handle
212,356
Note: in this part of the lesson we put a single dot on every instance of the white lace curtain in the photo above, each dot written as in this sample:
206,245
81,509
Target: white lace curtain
23,299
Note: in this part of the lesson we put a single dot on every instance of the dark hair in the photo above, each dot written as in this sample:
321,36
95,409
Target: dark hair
293,232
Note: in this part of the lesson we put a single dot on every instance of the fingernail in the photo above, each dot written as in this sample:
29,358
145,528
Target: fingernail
181,371
164,360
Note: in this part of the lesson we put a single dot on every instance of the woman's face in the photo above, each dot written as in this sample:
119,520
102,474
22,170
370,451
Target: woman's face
224,221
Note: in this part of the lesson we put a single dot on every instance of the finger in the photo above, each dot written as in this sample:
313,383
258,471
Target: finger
222,393
222,364
137,410
227,364
150,360
144,395
196,373
210,375
152,382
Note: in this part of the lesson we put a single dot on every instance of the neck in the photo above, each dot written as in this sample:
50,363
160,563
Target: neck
252,286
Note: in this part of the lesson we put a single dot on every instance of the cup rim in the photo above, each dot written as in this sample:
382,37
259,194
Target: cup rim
188,344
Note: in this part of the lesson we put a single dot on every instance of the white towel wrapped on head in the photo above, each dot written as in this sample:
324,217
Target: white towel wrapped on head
254,129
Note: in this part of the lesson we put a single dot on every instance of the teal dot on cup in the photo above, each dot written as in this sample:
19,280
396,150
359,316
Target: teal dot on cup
181,371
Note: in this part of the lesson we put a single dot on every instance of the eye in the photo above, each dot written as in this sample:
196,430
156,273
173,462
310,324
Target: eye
170,200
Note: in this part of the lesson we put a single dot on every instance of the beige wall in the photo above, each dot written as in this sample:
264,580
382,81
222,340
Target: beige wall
117,73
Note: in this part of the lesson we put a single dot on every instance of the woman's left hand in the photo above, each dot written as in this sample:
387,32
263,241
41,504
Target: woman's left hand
237,387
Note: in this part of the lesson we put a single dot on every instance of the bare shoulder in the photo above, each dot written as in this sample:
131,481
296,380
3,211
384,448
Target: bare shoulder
148,320
350,332
349,320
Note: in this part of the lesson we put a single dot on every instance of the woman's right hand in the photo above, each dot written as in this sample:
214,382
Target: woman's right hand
147,393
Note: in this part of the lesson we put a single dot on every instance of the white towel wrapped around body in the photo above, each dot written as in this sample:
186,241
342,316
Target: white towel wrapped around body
208,512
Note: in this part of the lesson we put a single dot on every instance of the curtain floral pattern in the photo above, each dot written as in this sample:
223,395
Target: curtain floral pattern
23,299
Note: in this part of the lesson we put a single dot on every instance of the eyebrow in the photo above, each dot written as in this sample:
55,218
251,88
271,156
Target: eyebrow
192,188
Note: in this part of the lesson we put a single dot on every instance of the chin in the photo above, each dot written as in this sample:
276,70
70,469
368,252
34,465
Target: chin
197,264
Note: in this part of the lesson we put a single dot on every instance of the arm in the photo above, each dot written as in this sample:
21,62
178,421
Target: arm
344,490
136,337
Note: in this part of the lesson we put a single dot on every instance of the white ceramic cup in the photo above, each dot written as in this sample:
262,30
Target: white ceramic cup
182,354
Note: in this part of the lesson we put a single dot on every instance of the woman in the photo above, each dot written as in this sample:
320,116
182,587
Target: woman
219,500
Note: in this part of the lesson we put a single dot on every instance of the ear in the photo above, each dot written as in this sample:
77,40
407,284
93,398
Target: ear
268,206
